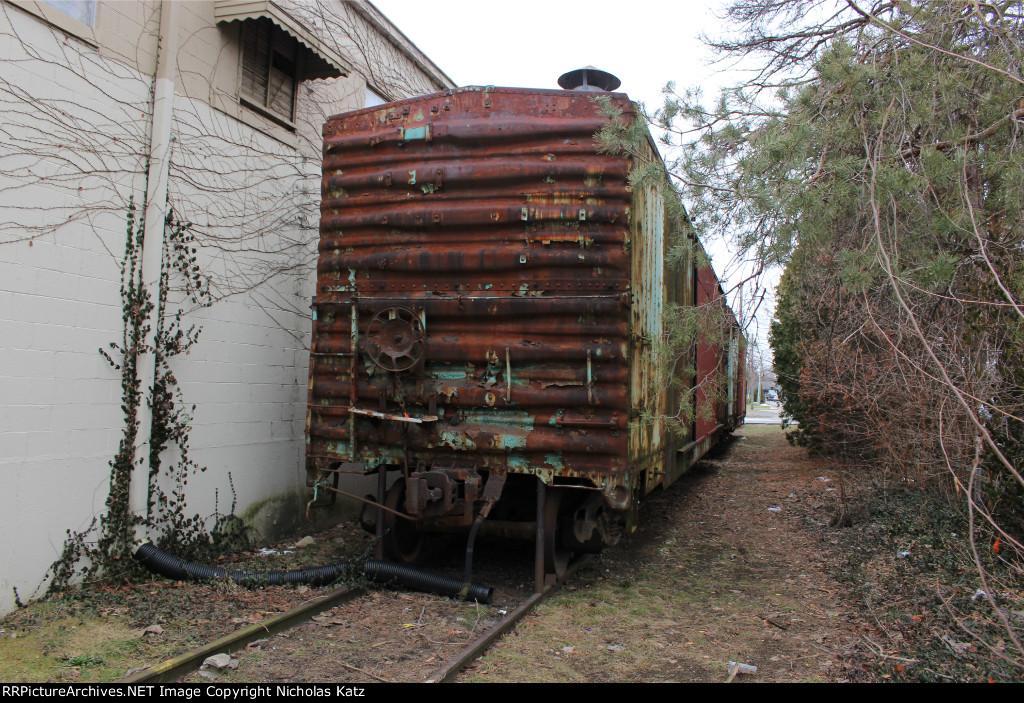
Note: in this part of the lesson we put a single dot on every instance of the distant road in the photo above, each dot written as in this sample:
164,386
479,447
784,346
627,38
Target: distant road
764,415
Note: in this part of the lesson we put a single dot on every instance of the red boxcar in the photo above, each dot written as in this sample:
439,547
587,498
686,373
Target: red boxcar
491,299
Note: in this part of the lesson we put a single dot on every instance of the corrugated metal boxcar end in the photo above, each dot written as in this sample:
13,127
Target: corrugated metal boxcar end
488,289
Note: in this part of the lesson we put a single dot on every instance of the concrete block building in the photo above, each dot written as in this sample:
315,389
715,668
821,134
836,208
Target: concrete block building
207,113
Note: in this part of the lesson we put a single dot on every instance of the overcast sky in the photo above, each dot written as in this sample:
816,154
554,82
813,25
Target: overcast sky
530,43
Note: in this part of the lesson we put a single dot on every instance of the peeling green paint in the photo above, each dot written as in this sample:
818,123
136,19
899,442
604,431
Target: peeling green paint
448,374
510,441
518,462
414,133
457,440
412,178
554,461
511,418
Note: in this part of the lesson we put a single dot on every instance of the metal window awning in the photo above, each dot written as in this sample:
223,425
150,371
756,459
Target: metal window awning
324,61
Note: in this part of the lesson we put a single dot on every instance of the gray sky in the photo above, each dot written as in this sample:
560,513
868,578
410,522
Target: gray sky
530,43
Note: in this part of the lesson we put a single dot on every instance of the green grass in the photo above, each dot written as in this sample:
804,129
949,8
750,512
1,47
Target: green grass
90,649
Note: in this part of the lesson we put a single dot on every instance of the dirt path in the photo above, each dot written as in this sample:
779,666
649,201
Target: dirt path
727,566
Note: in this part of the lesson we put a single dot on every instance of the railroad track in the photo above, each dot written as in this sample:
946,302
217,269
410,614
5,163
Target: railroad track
477,648
279,625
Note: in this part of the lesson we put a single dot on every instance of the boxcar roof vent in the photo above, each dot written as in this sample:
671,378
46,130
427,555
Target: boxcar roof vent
589,78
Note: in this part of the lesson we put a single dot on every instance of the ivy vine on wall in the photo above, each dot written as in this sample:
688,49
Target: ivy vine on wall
104,548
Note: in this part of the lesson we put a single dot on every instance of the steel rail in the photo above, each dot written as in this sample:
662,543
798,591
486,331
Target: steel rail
175,668
474,650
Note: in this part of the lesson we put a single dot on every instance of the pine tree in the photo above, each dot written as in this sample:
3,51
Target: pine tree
875,155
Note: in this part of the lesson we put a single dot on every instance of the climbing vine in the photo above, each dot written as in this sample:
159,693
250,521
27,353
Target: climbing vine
171,418
105,546
684,329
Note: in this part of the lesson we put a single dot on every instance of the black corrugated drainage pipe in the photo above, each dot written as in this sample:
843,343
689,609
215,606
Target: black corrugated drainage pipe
160,562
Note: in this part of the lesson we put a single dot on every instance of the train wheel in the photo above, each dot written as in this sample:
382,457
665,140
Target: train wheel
403,543
556,556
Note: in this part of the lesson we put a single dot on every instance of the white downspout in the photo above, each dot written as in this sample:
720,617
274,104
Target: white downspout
153,234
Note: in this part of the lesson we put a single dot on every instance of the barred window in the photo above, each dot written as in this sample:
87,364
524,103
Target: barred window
270,68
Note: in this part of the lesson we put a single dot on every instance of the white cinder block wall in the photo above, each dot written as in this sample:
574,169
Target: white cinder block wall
73,144
63,197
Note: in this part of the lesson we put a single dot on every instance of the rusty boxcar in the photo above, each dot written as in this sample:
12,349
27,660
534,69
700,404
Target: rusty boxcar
490,295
